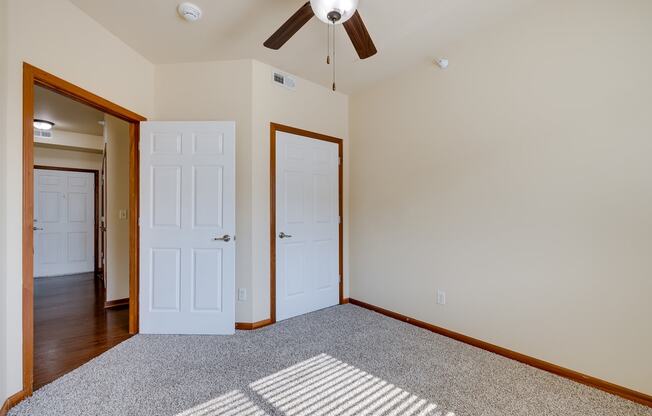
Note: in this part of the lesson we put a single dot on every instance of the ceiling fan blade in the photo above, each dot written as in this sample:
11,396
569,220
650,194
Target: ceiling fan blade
360,36
289,28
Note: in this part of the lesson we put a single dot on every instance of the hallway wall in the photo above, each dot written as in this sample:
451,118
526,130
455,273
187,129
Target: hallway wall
64,158
116,132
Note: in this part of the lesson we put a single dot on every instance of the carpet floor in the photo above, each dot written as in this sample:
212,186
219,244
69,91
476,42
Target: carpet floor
340,361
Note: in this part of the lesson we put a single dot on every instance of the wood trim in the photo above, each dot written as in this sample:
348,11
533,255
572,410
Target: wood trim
272,222
63,87
96,179
29,79
12,401
96,228
590,381
109,304
42,167
249,326
134,232
34,76
275,127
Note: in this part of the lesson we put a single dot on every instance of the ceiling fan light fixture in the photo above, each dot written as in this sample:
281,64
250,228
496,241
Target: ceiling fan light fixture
334,11
43,124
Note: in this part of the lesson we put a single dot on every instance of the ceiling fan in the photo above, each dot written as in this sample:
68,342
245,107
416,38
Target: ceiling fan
332,12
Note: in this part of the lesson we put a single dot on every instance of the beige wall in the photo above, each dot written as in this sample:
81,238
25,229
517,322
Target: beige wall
217,91
71,52
117,199
518,181
64,158
72,140
309,107
243,91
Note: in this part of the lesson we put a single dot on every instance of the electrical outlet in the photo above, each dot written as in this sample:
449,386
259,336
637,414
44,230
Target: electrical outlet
441,297
242,294
122,214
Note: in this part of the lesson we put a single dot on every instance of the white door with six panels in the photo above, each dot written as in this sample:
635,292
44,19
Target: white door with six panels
187,228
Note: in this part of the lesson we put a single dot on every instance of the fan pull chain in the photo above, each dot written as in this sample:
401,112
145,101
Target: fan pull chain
328,41
334,89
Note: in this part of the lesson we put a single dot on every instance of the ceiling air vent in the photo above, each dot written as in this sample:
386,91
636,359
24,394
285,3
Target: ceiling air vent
42,134
284,80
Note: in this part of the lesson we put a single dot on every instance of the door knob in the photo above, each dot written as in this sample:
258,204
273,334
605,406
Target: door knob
283,235
226,238
37,228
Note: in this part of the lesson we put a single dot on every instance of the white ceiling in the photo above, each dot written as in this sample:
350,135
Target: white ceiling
406,33
66,114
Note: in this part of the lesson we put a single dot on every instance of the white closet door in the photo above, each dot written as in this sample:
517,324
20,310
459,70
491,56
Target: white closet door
64,218
307,225
187,228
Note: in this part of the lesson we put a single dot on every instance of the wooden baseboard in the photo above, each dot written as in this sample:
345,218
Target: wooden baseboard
250,326
615,389
116,303
12,401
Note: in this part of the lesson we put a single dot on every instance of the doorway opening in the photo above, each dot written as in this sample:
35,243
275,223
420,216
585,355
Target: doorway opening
80,226
306,222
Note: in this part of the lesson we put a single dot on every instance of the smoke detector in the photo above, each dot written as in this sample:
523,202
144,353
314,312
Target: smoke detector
442,63
189,12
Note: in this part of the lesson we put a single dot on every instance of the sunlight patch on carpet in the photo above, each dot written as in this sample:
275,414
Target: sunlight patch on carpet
320,386
234,403
325,386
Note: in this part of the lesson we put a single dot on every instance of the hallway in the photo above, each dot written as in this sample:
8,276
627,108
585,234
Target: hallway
71,325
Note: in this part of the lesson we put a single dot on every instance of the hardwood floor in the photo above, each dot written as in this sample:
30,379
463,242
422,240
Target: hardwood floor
71,325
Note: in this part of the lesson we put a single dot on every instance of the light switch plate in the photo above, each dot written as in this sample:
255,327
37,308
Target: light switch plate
441,297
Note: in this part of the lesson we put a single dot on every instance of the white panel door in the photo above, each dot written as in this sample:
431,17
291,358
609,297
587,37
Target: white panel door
187,228
307,225
64,222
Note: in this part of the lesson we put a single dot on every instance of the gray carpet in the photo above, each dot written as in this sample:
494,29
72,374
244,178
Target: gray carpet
340,361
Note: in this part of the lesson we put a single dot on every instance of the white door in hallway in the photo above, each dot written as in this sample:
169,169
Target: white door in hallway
64,218
187,228
307,225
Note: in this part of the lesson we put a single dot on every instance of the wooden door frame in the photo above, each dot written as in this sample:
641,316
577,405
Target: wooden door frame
274,128
96,195
33,76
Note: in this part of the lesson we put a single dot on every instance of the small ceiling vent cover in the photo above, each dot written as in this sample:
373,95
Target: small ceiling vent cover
284,80
42,134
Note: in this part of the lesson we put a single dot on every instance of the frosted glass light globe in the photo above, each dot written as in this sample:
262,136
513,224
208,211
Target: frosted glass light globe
43,124
346,8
